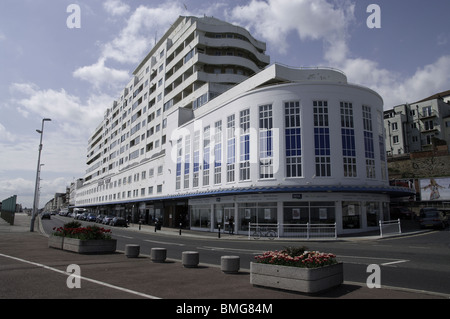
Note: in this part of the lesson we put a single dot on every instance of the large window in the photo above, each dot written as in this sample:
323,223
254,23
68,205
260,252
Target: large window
187,156
373,213
293,139
178,170
206,154
261,213
322,139
265,141
309,212
244,158
351,215
201,216
368,142
348,140
231,149
196,159
218,152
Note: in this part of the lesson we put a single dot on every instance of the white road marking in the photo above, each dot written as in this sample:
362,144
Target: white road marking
371,260
127,237
163,242
394,262
81,277
245,251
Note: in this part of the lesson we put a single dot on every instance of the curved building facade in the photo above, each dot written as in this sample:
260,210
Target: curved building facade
285,145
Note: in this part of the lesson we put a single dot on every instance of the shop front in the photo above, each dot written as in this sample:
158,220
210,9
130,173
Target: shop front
350,212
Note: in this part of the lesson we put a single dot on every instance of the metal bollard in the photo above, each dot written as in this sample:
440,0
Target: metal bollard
218,225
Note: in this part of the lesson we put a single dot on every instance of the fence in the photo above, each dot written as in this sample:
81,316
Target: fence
390,227
304,231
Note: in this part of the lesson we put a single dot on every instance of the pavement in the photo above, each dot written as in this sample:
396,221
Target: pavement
31,270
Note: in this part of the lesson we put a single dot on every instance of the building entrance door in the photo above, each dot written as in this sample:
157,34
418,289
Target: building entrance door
229,219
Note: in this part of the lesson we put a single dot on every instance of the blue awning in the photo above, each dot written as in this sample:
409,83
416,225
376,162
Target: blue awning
392,191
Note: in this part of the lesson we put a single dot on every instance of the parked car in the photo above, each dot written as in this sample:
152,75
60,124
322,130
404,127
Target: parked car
432,218
107,219
46,215
82,216
118,221
402,213
99,218
64,212
91,217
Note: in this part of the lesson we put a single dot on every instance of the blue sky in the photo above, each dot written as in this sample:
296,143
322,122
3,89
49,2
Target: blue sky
73,75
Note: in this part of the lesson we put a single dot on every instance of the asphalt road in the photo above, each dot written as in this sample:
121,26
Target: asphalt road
419,262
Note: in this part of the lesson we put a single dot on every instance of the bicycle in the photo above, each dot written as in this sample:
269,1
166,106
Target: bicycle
264,232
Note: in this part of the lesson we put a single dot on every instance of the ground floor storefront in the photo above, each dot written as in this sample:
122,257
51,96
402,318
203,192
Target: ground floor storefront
350,212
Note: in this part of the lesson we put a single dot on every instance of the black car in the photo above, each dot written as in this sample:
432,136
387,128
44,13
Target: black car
91,218
118,221
46,215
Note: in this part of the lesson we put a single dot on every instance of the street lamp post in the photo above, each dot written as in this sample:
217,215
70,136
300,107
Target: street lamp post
36,187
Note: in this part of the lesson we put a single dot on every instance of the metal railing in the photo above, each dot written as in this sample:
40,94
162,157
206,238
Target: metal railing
303,231
390,227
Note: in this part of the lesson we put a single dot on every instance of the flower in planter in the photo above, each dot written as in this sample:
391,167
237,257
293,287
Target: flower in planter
75,230
297,258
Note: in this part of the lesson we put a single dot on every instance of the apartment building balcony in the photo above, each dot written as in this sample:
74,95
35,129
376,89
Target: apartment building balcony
234,44
427,114
222,60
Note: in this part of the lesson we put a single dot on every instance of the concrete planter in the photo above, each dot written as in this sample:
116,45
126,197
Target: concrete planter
99,246
306,280
55,242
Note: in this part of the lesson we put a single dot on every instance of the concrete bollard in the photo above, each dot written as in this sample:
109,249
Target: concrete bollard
230,264
190,259
158,255
132,251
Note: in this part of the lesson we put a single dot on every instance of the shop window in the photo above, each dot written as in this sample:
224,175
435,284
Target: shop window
201,216
372,213
261,213
351,215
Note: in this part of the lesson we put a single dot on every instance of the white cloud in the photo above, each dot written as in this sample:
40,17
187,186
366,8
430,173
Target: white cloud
310,19
64,109
395,88
24,189
5,135
131,45
116,7
15,186
138,36
329,22
100,75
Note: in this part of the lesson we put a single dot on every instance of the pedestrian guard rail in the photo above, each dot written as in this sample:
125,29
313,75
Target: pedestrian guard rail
390,227
303,231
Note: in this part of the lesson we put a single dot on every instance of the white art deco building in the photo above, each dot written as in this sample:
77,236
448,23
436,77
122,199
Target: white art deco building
206,130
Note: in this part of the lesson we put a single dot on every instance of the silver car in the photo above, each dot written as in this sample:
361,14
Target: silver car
432,218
